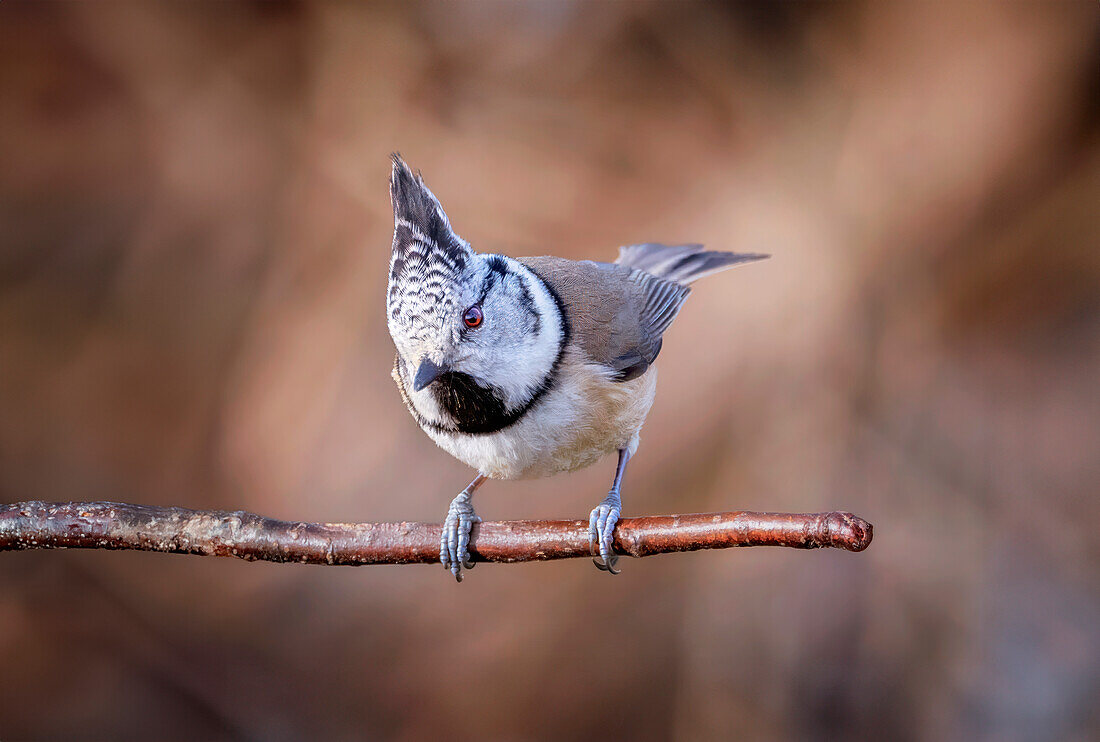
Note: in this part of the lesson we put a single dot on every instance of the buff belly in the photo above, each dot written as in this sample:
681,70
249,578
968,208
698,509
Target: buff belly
584,417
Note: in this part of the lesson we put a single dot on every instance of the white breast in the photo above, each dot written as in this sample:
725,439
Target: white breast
582,418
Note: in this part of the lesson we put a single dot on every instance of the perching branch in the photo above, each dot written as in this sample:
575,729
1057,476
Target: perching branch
109,525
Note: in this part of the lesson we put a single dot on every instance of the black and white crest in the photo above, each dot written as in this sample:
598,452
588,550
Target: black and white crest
422,231
428,258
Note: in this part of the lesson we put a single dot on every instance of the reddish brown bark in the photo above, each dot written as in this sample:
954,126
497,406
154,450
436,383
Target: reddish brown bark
108,525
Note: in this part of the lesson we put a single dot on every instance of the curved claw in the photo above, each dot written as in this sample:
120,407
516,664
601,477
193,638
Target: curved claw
608,566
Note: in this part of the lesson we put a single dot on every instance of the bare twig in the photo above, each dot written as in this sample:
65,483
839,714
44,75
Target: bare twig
109,525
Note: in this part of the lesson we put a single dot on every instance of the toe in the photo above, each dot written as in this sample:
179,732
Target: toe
607,530
453,562
444,556
601,522
595,536
452,551
448,542
462,549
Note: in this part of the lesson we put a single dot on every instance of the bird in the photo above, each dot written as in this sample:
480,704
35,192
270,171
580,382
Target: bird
531,366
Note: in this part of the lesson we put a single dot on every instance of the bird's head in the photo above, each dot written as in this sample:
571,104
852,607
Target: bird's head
477,335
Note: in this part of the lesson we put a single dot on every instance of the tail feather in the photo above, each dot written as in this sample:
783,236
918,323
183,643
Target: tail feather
681,263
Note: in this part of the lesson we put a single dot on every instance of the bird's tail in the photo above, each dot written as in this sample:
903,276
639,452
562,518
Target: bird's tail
680,263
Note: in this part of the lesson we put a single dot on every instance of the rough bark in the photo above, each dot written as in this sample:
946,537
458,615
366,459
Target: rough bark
108,525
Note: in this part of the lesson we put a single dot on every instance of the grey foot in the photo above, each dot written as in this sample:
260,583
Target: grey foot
601,526
454,544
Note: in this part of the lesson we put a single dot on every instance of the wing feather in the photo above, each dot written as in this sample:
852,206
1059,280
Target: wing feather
617,314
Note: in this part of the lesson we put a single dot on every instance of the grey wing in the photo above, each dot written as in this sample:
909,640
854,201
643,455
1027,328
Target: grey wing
681,263
657,302
616,314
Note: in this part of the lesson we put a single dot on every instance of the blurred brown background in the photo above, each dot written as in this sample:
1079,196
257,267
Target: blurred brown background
194,232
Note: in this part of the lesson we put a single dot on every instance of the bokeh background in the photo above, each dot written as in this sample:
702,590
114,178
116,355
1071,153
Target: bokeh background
194,232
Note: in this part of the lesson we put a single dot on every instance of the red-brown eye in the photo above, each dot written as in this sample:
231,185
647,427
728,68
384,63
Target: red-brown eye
473,317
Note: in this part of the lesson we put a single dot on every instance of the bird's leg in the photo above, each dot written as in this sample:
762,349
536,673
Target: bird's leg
455,540
601,523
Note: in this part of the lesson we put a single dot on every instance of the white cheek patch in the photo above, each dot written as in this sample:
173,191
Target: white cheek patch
522,365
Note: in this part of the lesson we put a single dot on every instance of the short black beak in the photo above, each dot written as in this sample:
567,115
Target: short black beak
427,373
